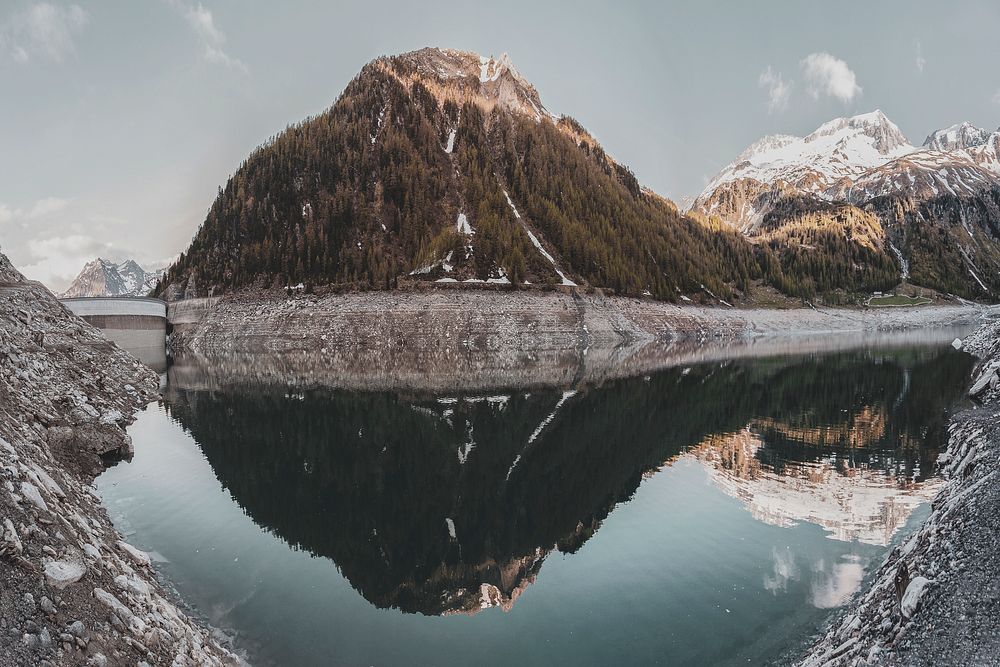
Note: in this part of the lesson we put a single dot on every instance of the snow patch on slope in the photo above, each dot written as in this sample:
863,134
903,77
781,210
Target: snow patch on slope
535,242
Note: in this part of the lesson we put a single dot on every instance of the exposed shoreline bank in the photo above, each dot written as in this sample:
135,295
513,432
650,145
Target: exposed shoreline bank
483,340
933,599
72,590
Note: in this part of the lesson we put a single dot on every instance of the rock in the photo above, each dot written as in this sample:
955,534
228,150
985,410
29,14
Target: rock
50,484
133,584
31,641
138,556
78,629
911,598
902,579
61,573
10,538
30,491
97,660
45,638
119,610
984,380
47,606
111,417
31,627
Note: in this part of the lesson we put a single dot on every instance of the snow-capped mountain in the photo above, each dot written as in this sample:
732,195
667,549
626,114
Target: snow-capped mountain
956,137
105,278
855,160
952,181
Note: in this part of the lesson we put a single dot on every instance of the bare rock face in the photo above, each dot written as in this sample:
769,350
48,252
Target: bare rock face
66,394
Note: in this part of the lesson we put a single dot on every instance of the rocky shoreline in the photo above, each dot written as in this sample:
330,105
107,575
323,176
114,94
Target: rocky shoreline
934,599
72,590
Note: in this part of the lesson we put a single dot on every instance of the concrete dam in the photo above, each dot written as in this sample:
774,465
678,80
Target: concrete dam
136,324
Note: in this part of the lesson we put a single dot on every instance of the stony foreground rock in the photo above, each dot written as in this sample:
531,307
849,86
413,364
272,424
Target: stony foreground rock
935,600
72,591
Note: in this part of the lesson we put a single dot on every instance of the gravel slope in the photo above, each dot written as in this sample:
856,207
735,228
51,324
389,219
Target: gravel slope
72,591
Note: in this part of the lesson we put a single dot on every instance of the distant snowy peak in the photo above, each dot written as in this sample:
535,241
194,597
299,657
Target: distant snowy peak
102,277
852,159
467,76
841,148
771,142
956,137
875,128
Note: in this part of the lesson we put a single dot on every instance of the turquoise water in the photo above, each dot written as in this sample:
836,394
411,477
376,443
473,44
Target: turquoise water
708,514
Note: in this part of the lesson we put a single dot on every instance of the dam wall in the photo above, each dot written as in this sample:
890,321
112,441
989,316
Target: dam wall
135,324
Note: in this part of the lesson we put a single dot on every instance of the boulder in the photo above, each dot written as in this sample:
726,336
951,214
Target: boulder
61,573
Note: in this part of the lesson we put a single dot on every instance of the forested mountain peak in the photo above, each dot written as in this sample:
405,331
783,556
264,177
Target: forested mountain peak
444,166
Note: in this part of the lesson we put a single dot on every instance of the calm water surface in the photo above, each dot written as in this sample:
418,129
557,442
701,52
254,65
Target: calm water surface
705,514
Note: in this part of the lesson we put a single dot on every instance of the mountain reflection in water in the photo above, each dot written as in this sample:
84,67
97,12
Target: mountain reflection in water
447,504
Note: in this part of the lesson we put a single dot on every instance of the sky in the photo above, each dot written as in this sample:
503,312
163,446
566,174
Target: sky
120,119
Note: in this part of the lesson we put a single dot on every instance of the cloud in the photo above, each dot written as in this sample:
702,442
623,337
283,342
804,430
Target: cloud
6,213
921,61
212,39
996,97
778,90
827,75
58,259
42,31
47,206
829,590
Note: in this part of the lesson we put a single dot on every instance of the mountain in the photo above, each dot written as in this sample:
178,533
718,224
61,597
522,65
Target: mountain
956,137
105,278
936,209
446,166
442,165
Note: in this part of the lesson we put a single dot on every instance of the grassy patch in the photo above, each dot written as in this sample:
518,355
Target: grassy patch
897,300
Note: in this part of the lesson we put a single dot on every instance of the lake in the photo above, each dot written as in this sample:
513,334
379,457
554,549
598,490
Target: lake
706,513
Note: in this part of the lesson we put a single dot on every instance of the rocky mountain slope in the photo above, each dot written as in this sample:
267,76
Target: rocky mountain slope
102,277
72,591
937,206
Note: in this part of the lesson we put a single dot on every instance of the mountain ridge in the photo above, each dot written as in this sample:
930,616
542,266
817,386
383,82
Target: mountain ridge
924,197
